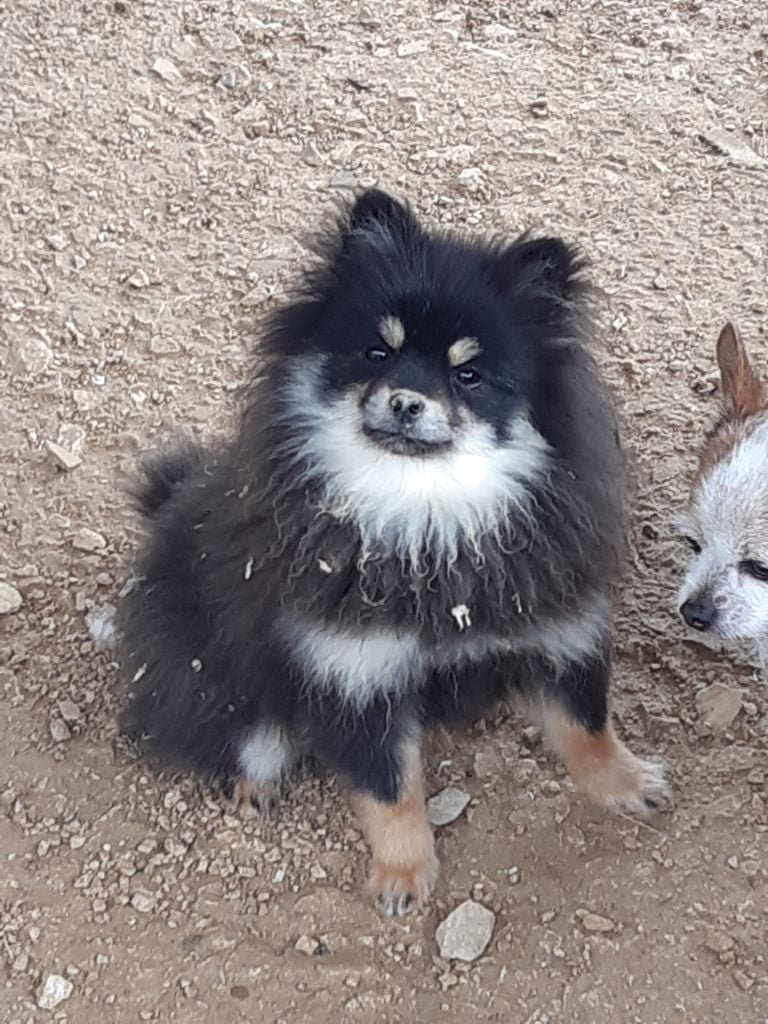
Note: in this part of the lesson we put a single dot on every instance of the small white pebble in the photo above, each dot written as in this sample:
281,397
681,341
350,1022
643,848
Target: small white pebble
445,806
592,922
88,540
10,599
59,731
144,902
465,932
306,945
53,991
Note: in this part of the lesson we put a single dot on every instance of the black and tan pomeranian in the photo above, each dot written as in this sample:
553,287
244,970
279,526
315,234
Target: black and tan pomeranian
420,515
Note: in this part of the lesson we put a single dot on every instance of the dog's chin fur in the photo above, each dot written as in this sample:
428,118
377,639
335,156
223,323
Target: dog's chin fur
410,506
401,444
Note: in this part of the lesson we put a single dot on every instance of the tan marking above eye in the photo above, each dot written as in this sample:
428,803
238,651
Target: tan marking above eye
392,332
463,350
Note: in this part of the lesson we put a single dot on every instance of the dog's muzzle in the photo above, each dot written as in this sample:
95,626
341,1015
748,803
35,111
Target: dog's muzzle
699,612
406,421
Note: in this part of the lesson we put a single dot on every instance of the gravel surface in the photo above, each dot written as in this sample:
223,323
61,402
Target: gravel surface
160,164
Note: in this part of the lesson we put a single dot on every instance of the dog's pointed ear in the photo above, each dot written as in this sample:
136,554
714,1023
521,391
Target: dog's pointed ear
546,265
742,390
377,216
375,206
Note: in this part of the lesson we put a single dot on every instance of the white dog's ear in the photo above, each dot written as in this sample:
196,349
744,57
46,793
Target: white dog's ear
742,390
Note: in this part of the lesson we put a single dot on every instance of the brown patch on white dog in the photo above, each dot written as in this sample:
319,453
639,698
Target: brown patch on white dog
742,390
463,350
743,399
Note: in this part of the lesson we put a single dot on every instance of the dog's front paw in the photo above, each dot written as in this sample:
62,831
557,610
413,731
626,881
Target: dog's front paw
603,768
399,889
631,785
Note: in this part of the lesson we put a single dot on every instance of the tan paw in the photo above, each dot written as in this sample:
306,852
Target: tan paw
601,766
397,890
253,800
626,784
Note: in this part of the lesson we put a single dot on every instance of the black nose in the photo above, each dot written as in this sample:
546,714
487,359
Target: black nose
406,405
699,613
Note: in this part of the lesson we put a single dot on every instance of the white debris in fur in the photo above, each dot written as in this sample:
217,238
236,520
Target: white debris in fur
248,571
129,586
196,665
324,566
462,616
140,672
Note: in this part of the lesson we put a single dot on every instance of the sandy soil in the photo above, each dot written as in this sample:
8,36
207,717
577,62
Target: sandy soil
147,217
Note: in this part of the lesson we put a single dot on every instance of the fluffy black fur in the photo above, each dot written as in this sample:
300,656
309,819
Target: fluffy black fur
244,539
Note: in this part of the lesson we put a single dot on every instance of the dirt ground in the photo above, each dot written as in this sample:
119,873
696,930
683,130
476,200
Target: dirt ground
161,163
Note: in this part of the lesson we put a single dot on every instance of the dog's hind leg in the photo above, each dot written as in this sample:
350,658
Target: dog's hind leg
265,756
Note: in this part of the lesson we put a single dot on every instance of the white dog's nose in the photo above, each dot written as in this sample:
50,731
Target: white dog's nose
699,613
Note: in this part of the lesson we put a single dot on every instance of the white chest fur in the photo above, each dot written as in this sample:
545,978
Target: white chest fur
359,665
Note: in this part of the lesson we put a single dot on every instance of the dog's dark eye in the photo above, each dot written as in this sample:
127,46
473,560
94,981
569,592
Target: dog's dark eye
377,354
467,376
693,545
756,570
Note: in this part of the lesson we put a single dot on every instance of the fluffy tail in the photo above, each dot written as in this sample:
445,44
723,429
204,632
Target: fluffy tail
163,475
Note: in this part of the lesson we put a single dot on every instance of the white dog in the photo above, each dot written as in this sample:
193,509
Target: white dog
725,593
